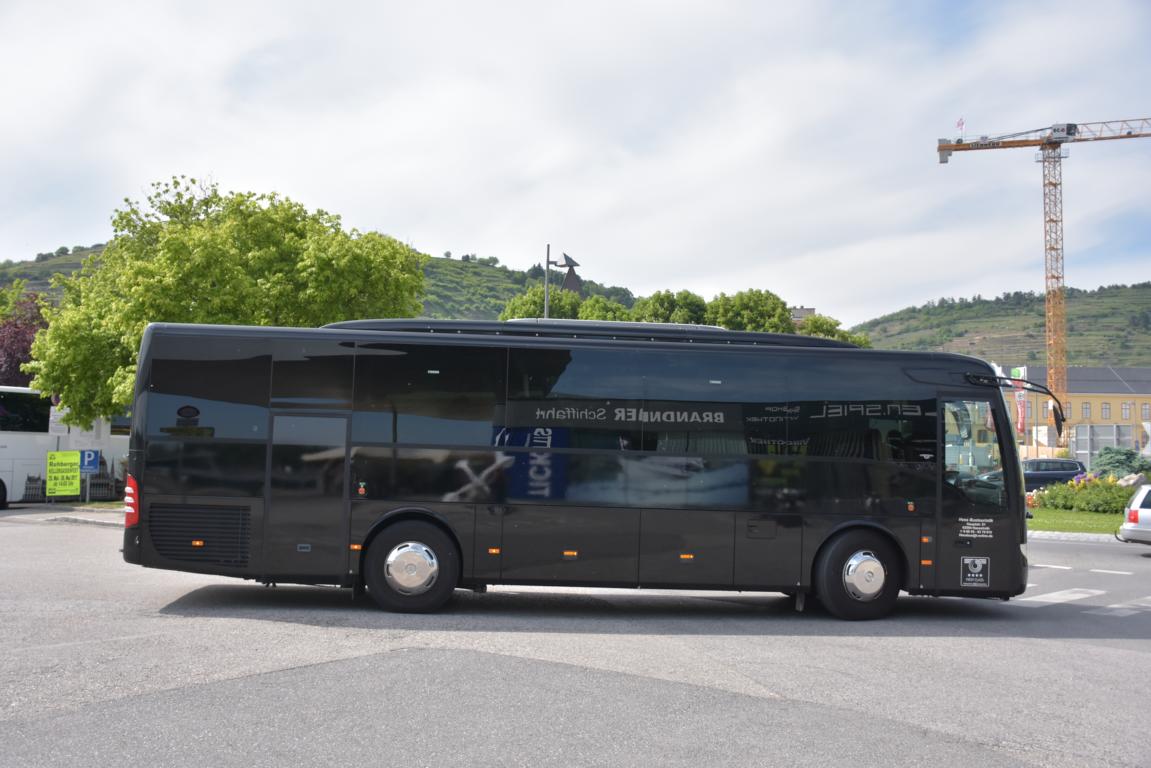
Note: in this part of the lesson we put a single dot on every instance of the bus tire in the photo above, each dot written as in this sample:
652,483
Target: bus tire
857,575
3,495
411,567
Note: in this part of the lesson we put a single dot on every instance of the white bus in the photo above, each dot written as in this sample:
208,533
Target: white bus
28,431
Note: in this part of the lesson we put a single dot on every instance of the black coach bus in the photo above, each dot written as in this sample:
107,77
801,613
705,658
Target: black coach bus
412,458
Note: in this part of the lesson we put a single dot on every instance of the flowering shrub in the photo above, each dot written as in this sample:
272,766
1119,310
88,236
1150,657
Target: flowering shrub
1086,493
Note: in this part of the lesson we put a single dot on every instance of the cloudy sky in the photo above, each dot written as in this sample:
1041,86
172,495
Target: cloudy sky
713,146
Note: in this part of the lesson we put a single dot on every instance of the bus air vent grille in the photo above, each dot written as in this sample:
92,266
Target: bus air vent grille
198,534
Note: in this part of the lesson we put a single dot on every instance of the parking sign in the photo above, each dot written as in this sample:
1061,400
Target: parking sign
89,462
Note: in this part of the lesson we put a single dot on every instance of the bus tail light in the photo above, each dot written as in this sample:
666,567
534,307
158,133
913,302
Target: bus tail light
131,503
1133,515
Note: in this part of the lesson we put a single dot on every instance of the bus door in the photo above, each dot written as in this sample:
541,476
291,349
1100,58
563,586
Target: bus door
977,546
306,525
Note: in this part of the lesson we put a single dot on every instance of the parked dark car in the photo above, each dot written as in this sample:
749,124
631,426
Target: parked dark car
1040,472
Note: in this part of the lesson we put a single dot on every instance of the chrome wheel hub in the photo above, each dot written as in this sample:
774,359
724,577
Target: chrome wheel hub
411,568
863,576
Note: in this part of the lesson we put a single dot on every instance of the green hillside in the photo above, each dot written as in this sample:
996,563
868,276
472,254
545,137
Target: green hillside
476,289
38,272
1107,326
468,290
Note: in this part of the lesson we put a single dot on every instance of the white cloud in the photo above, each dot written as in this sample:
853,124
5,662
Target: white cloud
706,146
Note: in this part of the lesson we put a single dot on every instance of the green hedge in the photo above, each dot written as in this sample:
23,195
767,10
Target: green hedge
1091,494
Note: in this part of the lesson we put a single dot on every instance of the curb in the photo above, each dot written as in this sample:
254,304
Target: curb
1062,536
84,521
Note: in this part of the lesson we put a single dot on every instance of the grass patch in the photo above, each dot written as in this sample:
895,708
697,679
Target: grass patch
1069,521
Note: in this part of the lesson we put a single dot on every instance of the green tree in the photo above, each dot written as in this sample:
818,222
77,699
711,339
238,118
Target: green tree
194,255
599,308
1119,462
828,328
10,297
561,304
750,310
667,307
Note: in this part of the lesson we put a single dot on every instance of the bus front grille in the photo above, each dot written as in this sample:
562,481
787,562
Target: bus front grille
217,535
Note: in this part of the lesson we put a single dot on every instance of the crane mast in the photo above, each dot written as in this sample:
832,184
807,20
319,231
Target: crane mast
1050,142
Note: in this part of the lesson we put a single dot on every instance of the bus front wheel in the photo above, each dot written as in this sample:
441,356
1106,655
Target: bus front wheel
411,567
857,576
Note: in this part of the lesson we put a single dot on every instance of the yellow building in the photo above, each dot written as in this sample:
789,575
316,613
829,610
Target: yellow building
1105,406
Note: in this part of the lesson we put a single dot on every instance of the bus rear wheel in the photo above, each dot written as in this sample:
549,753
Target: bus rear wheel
857,576
411,567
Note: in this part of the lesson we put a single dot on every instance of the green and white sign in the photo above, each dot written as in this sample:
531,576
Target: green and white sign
63,475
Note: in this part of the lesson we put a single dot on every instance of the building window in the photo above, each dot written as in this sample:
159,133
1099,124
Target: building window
1146,411
1028,410
1126,409
1106,411
1086,411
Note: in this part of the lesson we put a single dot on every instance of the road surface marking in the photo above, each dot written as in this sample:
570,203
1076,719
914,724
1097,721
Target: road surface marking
1115,610
1116,573
121,638
1062,596
1056,567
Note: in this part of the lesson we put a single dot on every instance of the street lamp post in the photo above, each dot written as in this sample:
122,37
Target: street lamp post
548,264
547,268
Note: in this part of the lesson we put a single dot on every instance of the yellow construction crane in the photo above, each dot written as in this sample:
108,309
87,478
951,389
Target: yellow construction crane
1051,143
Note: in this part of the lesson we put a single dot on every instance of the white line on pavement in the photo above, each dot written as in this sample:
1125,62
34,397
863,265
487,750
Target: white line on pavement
1056,567
1116,573
1119,610
1062,596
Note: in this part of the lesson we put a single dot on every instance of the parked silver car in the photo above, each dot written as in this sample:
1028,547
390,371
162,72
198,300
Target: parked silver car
1136,528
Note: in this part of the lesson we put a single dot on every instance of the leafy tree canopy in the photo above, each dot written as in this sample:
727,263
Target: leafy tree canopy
828,328
600,308
11,296
667,307
192,254
1119,462
561,304
750,310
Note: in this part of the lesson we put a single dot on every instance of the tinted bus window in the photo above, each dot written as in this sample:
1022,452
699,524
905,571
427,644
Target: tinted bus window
207,417
209,391
23,412
725,402
574,398
428,395
312,375
853,408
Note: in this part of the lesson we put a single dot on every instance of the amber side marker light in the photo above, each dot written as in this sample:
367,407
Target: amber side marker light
571,553
493,550
355,547
197,542
927,562
686,556
924,539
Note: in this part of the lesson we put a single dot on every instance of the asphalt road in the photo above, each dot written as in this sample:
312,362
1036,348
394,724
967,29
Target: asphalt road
111,664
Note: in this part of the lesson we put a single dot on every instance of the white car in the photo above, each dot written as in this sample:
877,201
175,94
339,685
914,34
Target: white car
1136,528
